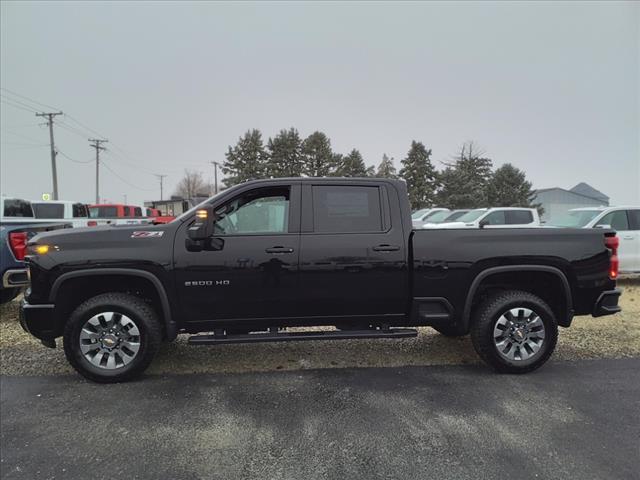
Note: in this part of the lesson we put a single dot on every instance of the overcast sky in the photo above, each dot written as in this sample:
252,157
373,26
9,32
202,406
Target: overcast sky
552,88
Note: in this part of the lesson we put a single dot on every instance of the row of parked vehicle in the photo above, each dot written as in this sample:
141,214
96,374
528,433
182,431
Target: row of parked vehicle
623,219
23,219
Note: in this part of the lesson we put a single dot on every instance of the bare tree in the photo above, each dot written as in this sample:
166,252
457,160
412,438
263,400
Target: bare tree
192,185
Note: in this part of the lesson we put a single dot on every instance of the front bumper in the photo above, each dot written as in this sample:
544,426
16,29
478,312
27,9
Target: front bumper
16,277
607,303
38,320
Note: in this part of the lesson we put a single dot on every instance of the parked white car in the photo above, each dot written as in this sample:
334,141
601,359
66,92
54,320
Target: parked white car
625,220
499,217
419,217
75,213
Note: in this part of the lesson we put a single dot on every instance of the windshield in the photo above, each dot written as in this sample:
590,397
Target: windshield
575,218
472,215
419,213
437,217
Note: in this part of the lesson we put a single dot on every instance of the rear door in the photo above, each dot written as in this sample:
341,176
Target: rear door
353,259
628,250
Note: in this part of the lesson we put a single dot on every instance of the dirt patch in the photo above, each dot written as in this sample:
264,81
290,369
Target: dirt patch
615,336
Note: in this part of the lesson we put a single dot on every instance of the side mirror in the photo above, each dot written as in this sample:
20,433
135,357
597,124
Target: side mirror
483,223
202,227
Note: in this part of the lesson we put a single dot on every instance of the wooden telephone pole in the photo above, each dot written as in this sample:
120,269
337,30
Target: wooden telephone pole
97,144
54,170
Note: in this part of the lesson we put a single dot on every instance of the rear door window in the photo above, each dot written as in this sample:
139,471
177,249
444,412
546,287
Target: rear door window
346,209
137,212
518,217
617,220
48,210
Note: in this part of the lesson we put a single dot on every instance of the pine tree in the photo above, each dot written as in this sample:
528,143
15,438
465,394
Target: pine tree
386,169
420,175
284,155
464,182
509,187
317,157
246,160
352,165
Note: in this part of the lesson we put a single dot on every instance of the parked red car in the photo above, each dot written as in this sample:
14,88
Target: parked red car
156,216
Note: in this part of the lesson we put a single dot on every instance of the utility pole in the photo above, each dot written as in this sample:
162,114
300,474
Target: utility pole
161,177
54,170
97,144
215,176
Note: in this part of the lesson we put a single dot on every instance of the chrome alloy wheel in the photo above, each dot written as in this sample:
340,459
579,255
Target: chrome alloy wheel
519,334
109,340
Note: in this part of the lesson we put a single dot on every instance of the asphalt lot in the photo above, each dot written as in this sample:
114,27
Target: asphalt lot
567,420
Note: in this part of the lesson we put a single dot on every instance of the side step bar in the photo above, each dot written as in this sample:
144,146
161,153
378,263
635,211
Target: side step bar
301,336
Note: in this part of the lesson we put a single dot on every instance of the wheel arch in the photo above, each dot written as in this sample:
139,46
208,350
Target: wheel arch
165,306
564,310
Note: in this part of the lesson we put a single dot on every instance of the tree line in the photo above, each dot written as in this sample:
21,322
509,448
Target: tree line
468,181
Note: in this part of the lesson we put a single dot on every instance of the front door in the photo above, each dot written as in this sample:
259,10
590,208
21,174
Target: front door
249,267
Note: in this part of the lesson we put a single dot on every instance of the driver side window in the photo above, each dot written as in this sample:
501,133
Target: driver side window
257,211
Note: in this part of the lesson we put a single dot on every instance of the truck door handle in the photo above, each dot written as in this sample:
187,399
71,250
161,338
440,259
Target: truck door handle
279,250
386,248
628,237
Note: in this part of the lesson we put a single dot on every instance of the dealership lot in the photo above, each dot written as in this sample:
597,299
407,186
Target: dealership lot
425,408
569,419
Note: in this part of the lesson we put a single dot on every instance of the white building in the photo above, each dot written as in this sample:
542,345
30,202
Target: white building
557,201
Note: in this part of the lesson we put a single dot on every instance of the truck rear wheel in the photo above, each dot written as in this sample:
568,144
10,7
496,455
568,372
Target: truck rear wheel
514,332
112,337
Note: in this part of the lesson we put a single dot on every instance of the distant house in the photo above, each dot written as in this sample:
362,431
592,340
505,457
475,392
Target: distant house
175,205
557,201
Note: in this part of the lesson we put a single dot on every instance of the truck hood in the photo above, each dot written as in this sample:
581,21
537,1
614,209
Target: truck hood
108,245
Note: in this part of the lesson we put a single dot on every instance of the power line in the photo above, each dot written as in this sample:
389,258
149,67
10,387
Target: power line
25,105
54,171
20,135
18,107
73,160
29,99
125,181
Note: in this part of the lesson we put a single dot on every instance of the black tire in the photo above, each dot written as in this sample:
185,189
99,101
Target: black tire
449,331
8,294
139,312
488,315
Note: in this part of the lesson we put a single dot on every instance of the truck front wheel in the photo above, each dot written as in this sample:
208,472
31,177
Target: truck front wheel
112,337
514,331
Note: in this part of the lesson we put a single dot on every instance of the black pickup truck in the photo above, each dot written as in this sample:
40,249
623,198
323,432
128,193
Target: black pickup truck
271,254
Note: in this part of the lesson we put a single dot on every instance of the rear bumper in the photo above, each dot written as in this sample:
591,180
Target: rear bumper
607,303
38,320
15,278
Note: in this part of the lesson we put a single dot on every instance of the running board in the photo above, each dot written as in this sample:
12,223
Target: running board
301,336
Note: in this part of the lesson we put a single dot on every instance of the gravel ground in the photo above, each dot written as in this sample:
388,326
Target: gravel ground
616,336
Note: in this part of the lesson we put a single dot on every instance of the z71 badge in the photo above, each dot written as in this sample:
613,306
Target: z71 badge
147,234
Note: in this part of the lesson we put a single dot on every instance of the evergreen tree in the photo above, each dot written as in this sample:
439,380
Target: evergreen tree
509,187
420,175
370,171
317,158
352,165
464,182
284,155
246,160
386,169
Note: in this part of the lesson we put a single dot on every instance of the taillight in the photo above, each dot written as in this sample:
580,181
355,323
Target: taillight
612,243
92,223
18,244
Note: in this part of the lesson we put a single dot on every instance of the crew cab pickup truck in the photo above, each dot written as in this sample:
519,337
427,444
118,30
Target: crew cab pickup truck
270,254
